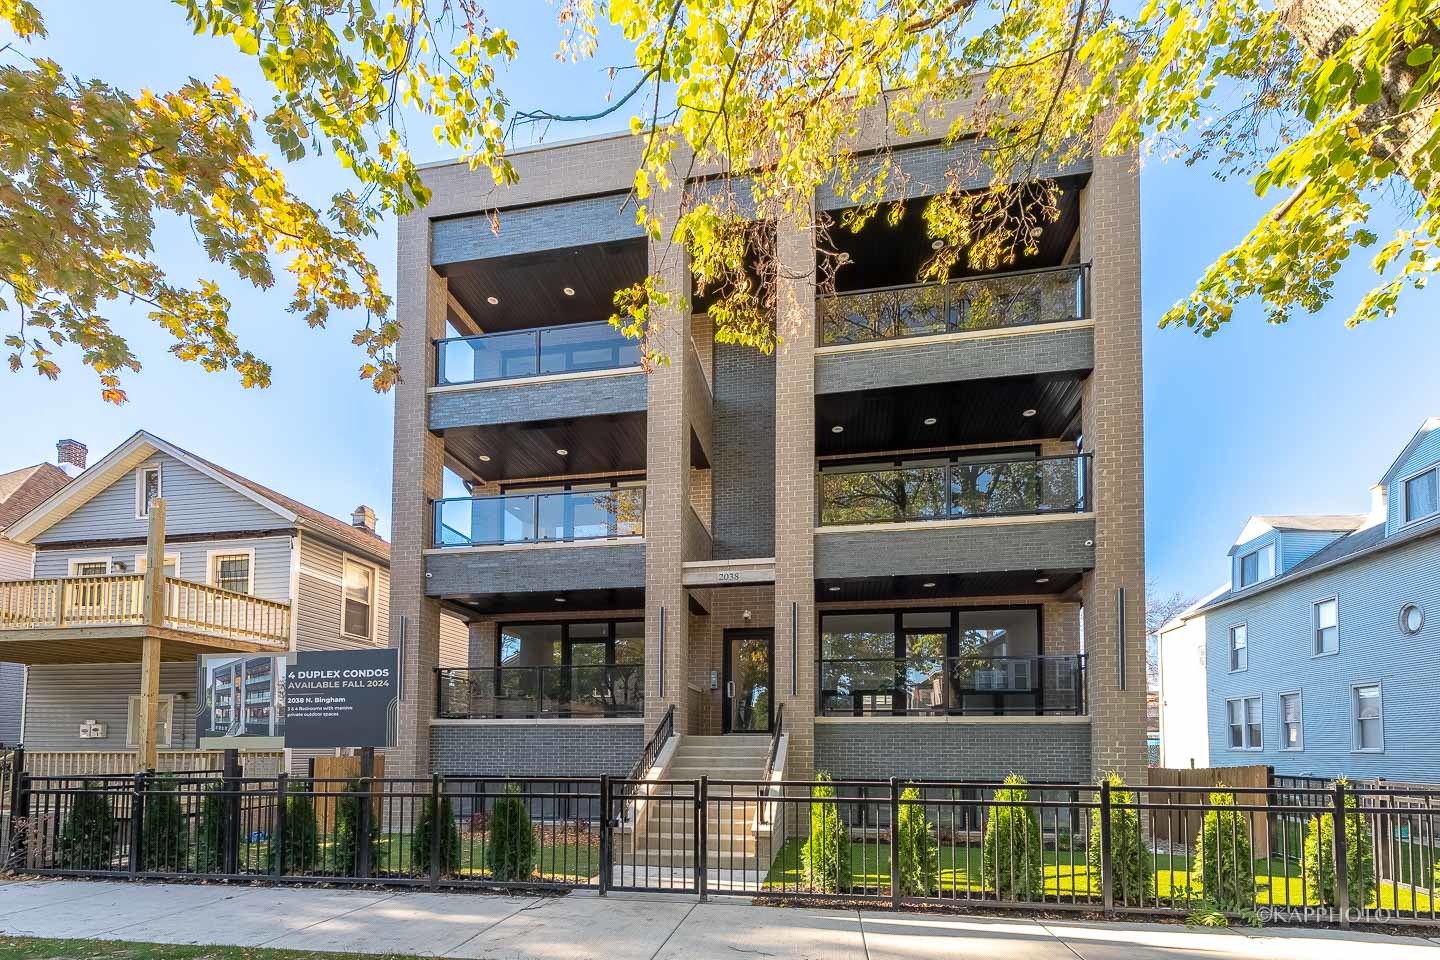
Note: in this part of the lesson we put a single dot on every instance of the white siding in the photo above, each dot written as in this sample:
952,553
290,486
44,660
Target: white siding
271,564
317,615
59,698
1184,732
16,560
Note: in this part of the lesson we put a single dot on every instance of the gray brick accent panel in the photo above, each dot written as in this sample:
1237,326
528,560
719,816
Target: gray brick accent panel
946,361
743,455
536,750
552,226
607,566
1058,544
530,402
918,749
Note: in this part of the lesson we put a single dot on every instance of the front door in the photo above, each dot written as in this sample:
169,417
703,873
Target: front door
749,681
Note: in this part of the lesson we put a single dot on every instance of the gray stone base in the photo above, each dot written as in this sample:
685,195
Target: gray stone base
558,748
946,750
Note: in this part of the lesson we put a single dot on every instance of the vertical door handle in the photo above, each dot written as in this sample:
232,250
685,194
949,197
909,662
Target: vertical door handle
730,689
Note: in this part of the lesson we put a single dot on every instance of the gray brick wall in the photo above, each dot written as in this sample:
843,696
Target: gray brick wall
1056,752
596,566
536,750
1054,544
552,226
946,361
524,403
743,456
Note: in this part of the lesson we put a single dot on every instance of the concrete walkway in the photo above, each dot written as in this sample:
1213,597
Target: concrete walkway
632,927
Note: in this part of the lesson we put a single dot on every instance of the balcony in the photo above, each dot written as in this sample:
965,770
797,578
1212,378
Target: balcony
516,519
573,691
544,352
102,618
933,686
948,491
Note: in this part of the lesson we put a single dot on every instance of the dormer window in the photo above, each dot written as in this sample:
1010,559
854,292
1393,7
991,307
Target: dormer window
1422,495
1257,565
147,488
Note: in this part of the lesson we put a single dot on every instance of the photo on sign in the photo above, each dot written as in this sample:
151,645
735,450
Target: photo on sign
241,698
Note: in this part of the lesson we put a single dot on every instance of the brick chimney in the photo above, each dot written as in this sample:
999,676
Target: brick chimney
363,518
70,454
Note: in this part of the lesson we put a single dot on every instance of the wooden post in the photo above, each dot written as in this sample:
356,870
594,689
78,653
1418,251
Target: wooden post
150,645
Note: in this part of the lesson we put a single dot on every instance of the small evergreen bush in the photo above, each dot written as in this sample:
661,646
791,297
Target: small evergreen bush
449,837
1319,857
1012,856
87,841
512,838
301,840
1130,867
346,851
210,835
919,852
826,854
1224,866
164,834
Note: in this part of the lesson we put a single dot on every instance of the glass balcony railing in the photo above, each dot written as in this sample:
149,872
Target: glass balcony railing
574,348
946,491
575,690
540,517
995,301
962,685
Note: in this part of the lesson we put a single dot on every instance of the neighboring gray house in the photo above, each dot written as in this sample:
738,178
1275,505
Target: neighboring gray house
1321,657
324,583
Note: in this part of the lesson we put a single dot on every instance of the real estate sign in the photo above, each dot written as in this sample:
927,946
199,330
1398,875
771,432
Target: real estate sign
342,698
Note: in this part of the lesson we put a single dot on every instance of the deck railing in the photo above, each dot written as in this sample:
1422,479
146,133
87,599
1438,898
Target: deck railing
968,685
575,690
119,600
519,518
572,348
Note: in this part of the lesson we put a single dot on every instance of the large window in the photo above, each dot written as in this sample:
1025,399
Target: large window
1239,648
930,662
359,600
1257,565
1243,715
1292,728
1327,627
589,668
1422,495
1369,717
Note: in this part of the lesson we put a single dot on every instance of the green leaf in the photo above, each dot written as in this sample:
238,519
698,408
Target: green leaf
1420,55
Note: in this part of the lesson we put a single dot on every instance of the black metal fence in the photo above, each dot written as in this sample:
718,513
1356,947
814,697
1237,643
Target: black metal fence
1161,850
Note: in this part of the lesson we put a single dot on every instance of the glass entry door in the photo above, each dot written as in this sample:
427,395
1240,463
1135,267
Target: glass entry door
749,681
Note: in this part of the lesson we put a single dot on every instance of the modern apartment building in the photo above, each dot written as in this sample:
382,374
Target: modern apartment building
913,535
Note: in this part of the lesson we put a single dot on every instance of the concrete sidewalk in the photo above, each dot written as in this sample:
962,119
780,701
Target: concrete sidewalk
631,927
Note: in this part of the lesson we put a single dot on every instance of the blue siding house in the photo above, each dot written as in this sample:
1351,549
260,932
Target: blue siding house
1323,656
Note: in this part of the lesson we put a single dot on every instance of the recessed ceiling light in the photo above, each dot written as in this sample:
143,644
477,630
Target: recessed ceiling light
929,421
1029,413
936,244
834,589
1042,579
493,301
559,599
562,451
837,429
928,584
569,291
484,458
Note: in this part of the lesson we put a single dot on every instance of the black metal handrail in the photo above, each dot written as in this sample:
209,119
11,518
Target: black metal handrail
542,351
664,730
771,757
965,685
570,690
984,302
1020,486
540,517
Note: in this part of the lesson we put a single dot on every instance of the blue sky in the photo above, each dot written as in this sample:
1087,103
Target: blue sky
1256,419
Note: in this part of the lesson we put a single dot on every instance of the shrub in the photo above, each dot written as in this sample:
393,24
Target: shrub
512,838
919,853
449,837
164,834
210,836
301,839
87,841
1130,868
1224,866
1012,856
1319,857
826,854
346,851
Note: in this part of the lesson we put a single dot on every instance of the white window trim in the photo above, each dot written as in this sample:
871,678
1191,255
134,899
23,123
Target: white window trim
1355,719
1280,701
1245,723
210,556
1230,647
169,727
1405,519
346,562
1315,627
142,506
77,561
1259,578
171,558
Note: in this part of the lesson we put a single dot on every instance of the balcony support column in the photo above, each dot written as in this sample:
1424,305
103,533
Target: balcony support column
154,605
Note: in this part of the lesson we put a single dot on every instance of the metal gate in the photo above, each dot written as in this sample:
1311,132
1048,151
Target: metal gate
656,840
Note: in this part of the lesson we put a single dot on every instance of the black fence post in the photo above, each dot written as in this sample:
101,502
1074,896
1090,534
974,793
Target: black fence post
1342,856
362,822
137,817
230,832
1107,871
606,834
435,830
894,843
702,839
20,820
277,840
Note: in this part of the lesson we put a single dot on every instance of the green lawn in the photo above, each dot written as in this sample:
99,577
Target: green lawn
31,948
1067,877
